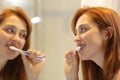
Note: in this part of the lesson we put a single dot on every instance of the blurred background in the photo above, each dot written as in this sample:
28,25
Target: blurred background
51,28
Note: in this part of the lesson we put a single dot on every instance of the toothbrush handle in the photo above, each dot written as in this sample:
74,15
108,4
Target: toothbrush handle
38,57
27,53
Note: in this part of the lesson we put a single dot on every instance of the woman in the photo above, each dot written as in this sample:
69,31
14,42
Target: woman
15,30
97,30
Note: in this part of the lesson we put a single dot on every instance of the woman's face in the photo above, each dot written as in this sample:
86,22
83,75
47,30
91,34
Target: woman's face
89,36
12,33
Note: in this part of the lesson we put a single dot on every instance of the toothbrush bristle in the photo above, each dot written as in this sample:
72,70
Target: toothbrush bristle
12,47
81,47
78,48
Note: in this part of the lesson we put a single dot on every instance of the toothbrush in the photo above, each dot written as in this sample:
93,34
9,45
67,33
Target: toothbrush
77,49
25,52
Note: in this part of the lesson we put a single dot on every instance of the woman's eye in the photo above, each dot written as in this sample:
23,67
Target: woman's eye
83,29
23,35
10,30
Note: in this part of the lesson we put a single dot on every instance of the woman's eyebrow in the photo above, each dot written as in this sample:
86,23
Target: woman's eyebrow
10,25
81,25
23,30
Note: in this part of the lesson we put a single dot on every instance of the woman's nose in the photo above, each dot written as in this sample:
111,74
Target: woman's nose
77,38
16,37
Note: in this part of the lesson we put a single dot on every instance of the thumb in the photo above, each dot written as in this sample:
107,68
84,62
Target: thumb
25,59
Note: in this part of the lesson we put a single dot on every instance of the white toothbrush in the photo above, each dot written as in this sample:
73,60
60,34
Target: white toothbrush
77,49
25,52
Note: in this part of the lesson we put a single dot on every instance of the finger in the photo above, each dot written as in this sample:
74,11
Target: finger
68,54
72,58
29,58
34,56
25,59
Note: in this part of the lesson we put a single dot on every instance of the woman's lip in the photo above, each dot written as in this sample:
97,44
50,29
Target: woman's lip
11,45
77,44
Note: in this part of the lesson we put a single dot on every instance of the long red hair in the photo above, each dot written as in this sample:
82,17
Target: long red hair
103,17
14,69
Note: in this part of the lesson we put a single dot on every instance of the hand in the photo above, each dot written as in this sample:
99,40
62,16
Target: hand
32,65
71,66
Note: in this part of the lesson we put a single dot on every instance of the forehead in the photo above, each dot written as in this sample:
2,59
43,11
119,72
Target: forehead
85,19
14,20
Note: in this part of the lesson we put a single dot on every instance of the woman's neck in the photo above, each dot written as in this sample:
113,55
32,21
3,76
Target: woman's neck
99,59
2,63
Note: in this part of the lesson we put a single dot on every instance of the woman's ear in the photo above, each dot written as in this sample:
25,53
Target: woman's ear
108,33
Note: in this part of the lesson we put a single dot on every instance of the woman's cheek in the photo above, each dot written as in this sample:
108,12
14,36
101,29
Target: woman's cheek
92,40
22,42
